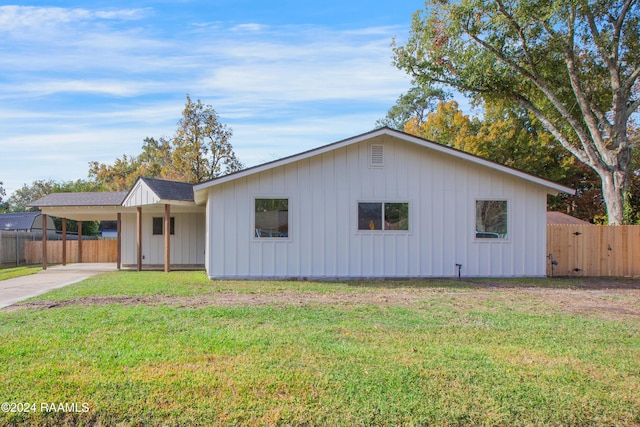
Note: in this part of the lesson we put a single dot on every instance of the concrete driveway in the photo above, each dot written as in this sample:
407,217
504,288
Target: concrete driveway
20,288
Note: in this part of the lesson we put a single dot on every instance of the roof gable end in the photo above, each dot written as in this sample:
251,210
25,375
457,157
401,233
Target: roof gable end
552,187
149,191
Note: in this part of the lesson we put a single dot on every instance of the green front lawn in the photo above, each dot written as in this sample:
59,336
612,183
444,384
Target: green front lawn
445,355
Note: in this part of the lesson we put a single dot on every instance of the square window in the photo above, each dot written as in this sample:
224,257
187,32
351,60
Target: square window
158,225
491,219
271,218
369,216
396,216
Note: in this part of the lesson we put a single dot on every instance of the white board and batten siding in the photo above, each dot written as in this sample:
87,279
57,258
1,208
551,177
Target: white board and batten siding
323,238
186,244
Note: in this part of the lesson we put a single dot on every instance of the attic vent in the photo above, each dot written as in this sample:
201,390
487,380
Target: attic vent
376,160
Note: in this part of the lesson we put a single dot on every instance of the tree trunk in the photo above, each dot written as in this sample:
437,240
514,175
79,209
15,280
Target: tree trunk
613,187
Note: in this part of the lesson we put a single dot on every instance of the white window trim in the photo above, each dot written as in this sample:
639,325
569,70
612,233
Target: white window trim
386,232
254,237
473,220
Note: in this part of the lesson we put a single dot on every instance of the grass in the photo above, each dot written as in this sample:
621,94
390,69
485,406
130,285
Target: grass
432,362
10,273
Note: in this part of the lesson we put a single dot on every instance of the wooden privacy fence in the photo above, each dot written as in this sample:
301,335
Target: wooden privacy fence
593,250
12,247
92,251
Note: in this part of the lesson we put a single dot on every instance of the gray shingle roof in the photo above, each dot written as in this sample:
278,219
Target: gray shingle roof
170,190
81,199
18,220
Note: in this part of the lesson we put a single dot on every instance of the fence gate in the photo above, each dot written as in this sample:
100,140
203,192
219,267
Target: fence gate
594,250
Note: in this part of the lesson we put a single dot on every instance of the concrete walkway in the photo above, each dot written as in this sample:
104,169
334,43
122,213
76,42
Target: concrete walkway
20,288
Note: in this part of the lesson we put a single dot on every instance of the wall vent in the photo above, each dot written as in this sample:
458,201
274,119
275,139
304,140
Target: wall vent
376,158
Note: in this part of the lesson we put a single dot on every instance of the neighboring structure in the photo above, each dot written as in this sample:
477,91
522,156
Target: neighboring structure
108,229
24,221
379,205
559,218
18,228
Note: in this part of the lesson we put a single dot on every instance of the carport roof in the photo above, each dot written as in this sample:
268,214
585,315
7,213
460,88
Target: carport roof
82,206
81,199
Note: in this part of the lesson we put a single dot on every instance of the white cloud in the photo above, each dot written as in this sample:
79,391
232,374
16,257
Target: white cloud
93,84
28,17
104,87
252,27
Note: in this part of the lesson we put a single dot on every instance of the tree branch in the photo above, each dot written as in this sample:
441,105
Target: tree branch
593,28
521,36
632,108
628,85
586,107
586,155
618,26
584,137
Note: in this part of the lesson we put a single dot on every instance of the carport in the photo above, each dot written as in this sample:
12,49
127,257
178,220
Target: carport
149,217
90,206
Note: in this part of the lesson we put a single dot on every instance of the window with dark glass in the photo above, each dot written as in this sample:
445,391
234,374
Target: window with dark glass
158,225
271,218
491,219
383,216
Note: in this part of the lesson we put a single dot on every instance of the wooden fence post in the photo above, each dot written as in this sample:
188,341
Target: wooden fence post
44,241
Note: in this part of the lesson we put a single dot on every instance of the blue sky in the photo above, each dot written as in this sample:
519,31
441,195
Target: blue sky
83,81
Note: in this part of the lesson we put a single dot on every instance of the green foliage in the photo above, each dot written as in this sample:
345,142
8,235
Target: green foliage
199,150
26,194
201,147
510,135
2,191
573,65
413,105
119,176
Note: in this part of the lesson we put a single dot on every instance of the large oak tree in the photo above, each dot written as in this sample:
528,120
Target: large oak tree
574,64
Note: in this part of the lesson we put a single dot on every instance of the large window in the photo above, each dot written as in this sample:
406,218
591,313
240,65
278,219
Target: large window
491,219
272,218
158,225
383,216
